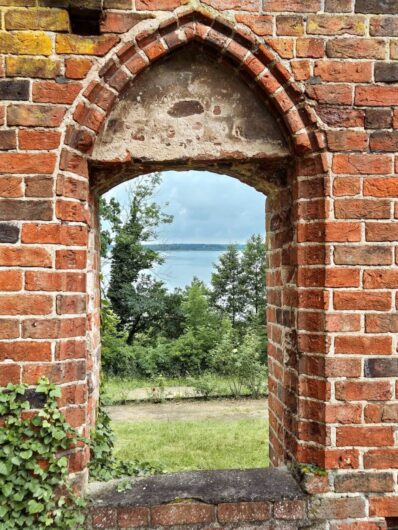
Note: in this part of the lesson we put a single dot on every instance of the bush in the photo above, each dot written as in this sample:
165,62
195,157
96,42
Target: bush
205,385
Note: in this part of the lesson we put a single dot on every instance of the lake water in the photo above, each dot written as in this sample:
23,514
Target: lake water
182,265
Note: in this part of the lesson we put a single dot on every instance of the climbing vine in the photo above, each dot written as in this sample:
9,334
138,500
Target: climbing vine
34,488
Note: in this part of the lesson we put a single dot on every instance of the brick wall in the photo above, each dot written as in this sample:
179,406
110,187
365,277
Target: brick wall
328,70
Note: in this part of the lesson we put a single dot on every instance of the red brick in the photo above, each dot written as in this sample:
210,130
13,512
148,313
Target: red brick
384,323
384,506
346,186
351,72
381,279
387,413
341,459
347,140
362,209
376,95
132,517
289,509
332,94
292,5
381,459
54,234
52,92
338,508
346,413
363,390
55,281
362,255
382,231
363,345
25,257
11,187
244,511
32,139
338,367
77,68
259,24
365,436
103,517
71,211
39,186
25,351
10,280
9,373
380,187
9,329
23,304
72,304
70,259
355,48
71,349
27,163
190,513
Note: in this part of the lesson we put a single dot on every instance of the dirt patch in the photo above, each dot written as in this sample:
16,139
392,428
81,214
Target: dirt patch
225,409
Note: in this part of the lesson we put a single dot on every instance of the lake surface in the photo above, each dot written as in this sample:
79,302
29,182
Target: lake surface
182,265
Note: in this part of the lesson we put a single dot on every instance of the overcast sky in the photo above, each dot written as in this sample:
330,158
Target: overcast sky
207,208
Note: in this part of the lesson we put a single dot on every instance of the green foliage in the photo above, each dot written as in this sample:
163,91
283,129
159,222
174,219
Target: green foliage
110,212
242,362
34,487
227,294
132,292
205,385
103,464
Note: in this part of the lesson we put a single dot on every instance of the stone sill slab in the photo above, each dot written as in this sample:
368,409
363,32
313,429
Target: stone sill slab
253,498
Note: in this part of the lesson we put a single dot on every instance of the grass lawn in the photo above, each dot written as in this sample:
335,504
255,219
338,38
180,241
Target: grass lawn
194,445
117,389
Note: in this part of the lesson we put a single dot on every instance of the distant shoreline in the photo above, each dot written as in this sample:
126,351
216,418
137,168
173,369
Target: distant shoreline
191,247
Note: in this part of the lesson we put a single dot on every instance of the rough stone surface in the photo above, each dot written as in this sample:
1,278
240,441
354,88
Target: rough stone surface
210,487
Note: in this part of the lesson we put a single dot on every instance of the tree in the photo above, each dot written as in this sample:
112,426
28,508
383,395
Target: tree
131,291
110,221
253,278
226,281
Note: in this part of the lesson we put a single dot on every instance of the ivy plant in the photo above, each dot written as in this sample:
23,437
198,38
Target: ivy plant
34,488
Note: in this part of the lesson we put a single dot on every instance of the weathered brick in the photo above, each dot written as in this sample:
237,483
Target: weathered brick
368,436
384,506
376,7
52,92
77,68
26,43
9,233
35,115
362,255
365,482
38,139
37,19
23,304
360,391
132,517
244,511
335,508
79,45
335,25
15,90
354,48
381,367
35,67
190,513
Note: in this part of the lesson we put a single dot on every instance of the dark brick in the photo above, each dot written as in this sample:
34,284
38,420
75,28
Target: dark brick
378,118
364,482
36,400
25,210
15,90
381,367
377,7
386,72
8,140
9,233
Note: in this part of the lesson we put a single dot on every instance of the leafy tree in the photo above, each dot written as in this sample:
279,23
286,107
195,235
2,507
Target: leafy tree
253,275
131,291
226,281
110,217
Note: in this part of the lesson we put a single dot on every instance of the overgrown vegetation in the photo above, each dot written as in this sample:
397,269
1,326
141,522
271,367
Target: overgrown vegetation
35,492
148,331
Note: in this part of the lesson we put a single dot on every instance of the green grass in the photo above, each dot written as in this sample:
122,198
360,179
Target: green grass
117,389
194,445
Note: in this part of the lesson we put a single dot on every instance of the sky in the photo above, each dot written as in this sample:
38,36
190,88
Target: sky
207,208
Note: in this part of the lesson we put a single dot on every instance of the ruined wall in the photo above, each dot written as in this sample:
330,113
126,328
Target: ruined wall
327,71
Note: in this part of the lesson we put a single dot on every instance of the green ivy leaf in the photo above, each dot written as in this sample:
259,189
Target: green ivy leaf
35,507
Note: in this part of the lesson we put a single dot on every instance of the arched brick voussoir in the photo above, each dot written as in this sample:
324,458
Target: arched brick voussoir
254,60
